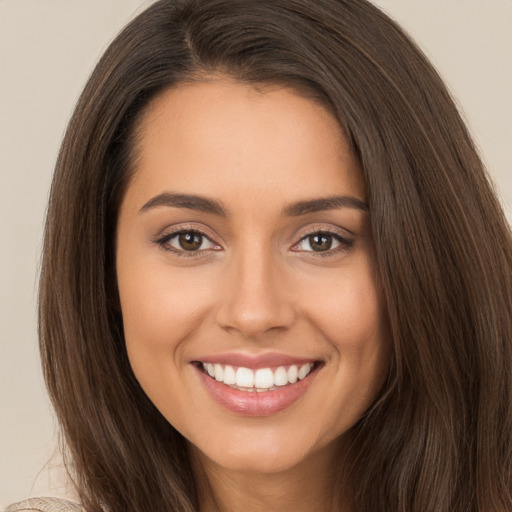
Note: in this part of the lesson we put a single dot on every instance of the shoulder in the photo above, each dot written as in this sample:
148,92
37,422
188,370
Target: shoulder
45,505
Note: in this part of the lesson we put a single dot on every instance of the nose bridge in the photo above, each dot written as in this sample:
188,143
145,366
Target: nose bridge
255,299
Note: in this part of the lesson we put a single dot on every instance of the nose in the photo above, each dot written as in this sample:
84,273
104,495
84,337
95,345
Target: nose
255,299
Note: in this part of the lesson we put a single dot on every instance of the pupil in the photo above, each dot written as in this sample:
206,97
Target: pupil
190,241
320,242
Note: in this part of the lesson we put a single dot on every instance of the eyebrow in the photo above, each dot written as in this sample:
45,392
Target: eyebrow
324,204
214,207
192,202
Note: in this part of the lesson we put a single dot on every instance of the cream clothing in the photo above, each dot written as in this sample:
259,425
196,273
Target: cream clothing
45,505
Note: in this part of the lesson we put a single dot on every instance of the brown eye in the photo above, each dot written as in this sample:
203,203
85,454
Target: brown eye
190,241
187,242
323,242
320,242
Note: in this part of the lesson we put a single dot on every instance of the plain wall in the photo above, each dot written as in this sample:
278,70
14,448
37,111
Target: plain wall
47,50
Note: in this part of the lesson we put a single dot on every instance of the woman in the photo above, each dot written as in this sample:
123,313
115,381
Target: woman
275,274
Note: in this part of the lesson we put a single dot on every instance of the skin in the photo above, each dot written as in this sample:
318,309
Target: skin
255,285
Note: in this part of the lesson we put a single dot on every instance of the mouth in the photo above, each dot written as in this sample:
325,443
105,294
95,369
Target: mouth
259,380
259,391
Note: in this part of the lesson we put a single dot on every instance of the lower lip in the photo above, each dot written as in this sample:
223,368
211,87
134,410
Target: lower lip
254,403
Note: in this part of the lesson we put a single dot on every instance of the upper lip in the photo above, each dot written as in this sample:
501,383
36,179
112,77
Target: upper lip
265,360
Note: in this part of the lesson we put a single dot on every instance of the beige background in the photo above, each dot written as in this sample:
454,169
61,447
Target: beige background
47,50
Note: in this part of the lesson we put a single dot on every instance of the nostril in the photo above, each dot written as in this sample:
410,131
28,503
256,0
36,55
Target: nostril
253,321
254,301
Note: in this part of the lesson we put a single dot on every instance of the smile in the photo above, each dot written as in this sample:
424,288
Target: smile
265,389
260,380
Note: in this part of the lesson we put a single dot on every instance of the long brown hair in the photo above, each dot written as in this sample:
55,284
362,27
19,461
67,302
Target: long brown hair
439,437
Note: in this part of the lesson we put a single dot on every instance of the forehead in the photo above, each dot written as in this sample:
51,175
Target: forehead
221,136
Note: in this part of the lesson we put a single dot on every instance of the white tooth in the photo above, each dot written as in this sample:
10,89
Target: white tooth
219,372
229,375
281,376
264,378
244,377
210,370
293,373
304,370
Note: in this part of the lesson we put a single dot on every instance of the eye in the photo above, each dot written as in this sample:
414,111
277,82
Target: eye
187,241
323,242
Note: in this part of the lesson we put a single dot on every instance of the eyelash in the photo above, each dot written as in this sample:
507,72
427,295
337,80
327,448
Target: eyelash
345,242
163,241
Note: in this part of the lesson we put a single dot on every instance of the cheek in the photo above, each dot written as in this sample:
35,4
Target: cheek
352,319
350,311
161,307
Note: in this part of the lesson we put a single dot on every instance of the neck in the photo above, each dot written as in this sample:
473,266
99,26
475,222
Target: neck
312,485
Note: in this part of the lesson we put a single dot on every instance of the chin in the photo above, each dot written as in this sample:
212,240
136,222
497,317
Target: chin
267,452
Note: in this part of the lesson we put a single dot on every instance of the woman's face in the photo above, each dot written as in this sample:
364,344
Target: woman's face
252,312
